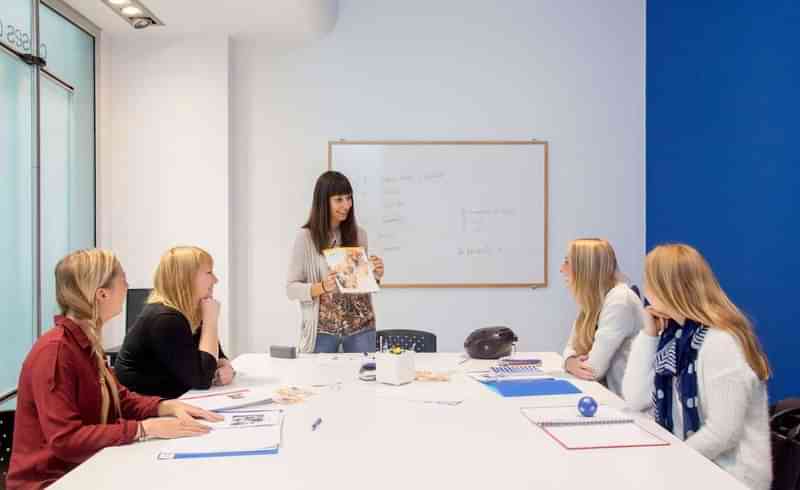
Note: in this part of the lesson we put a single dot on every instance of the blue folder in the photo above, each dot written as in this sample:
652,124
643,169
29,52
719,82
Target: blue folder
533,387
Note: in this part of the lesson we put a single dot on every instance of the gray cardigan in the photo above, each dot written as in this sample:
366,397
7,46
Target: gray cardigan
306,267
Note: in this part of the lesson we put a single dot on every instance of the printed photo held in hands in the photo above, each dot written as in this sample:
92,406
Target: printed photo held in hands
354,272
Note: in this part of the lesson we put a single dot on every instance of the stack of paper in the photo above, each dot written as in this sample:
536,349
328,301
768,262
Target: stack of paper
228,399
242,433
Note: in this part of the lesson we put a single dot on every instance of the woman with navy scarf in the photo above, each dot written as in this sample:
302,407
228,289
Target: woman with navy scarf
698,364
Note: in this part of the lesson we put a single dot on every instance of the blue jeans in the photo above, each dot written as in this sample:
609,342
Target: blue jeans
360,342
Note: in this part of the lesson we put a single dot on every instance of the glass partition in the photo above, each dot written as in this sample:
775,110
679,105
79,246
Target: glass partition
17,203
47,168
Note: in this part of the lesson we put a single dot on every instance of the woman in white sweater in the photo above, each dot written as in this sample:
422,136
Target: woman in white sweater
698,363
610,315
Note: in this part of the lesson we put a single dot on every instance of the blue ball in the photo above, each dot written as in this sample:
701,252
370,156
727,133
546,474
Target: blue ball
587,406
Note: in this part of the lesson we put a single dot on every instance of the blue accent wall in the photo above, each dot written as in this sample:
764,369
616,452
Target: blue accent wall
723,155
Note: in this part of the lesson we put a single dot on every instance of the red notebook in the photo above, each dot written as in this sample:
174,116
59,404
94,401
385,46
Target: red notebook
609,428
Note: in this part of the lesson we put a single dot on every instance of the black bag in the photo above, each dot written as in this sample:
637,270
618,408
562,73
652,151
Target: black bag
784,425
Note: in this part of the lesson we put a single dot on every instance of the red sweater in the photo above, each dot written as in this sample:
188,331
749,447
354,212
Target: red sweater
57,424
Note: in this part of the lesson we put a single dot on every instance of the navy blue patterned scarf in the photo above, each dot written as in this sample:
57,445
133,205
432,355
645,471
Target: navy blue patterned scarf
676,362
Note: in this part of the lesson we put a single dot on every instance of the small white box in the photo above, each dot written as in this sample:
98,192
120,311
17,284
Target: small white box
395,369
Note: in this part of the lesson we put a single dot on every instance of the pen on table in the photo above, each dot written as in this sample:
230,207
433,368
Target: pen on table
316,423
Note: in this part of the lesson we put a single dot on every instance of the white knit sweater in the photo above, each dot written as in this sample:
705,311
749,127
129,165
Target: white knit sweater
734,431
621,318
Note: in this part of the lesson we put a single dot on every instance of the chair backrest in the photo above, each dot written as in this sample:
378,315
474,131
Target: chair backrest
784,427
417,340
135,302
6,435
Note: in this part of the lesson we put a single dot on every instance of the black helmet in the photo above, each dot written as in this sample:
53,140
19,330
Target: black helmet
490,342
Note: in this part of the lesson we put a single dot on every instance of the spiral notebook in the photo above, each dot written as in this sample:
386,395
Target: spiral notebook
608,428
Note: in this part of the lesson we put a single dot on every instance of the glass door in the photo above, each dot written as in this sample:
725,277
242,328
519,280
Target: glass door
47,166
17,191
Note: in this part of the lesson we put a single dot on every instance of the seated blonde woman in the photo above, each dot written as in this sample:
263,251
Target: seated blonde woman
173,346
609,317
698,364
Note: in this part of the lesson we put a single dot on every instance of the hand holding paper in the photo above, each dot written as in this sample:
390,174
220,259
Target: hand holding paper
377,266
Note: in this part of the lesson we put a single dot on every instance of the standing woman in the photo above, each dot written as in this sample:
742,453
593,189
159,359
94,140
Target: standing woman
610,315
173,346
69,404
699,362
330,318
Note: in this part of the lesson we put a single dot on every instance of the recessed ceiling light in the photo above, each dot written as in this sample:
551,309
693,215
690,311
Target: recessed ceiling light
141,22
131,11
134,12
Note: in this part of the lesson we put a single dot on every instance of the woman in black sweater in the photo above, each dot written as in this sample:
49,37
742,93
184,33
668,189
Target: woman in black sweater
173,346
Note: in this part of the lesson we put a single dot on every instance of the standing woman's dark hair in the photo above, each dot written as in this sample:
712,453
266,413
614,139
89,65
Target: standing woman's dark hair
329,184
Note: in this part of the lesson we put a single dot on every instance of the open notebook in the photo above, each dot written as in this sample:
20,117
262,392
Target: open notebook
609,428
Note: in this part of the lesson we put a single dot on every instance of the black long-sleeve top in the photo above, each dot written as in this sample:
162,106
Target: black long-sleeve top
160,355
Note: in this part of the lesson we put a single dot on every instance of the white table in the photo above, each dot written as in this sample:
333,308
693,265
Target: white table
372,438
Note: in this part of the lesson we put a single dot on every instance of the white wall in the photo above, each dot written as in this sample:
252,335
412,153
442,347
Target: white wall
164,167
571,72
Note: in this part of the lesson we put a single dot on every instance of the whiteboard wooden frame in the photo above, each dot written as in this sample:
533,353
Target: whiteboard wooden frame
533,285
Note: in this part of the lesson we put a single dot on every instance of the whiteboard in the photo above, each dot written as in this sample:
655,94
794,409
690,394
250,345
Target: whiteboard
451,213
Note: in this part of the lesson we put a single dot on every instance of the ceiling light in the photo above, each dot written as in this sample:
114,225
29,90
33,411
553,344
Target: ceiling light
141,22
132,11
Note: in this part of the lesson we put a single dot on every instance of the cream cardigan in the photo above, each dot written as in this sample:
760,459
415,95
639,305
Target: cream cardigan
306,267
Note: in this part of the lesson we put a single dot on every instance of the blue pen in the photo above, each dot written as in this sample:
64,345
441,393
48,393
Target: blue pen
316,423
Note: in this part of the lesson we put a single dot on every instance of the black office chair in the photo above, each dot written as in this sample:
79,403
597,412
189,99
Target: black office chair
134,304
784,425
419,340
6,434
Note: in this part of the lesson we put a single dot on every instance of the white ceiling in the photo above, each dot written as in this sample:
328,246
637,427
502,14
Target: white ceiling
279,19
